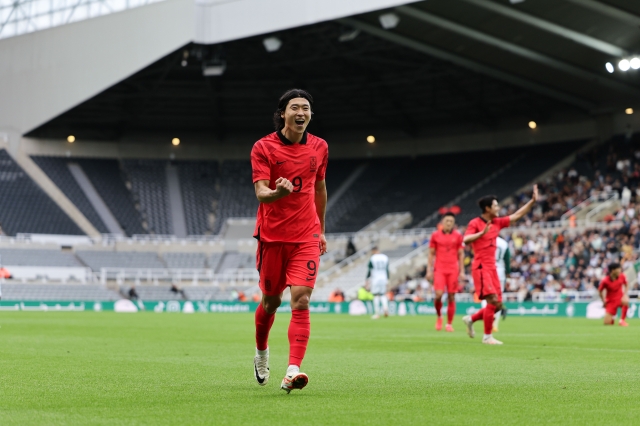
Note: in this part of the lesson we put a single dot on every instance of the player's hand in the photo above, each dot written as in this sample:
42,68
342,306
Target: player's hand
534,196
323,244
486,229
625,300
430,276
462,277
283,187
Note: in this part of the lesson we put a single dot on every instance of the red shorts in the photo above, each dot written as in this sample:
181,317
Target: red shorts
446,280
486,282
284,264
611,306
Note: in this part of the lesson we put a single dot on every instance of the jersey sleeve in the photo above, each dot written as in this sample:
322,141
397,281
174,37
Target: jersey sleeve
432,241
322,169
502,222
624,278
472,228
460,242
259,164
602,286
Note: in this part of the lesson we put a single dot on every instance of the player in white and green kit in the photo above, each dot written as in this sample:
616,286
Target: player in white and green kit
378,278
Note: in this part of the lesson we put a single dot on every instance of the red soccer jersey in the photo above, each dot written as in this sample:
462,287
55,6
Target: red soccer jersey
484,248
446,246
292,219
614,288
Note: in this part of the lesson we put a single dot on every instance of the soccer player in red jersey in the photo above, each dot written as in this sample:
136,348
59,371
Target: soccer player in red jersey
447,249
613,292
481,234
288,173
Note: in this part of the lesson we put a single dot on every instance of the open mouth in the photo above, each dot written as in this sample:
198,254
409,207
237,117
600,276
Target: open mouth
300,122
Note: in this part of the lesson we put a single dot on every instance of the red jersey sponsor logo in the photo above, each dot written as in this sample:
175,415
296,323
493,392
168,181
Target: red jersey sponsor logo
292,218
484,248
446,246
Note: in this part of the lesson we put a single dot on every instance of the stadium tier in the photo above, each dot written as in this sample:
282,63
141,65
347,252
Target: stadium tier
44,292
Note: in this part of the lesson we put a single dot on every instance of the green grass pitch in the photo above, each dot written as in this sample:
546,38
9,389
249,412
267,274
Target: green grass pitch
146,368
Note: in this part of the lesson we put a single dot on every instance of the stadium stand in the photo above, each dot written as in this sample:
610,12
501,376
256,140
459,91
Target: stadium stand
25,207
185,260
111,183
110,259
199,181
149,184
46,292
235,260
237,196
57,170
37,257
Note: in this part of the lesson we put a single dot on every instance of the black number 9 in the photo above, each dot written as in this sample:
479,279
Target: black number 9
311,266
297,184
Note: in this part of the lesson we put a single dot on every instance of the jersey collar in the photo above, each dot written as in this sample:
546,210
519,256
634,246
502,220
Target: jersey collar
483,219
286,141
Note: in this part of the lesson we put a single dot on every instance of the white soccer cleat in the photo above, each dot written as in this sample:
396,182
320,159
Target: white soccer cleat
261,369
491,341
375,316
469,323
294,380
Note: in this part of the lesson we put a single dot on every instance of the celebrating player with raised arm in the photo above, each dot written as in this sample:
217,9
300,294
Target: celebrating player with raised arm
288,173
446,247
481,234
613,292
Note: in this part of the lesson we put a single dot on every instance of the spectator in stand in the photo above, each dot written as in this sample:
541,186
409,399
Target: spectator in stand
177,290
133,294
336,296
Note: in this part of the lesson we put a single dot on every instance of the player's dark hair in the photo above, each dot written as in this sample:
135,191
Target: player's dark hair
278,121
613,266
374,248
486,201
449,214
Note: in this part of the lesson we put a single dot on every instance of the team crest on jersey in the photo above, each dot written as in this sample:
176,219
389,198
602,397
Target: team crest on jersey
313,164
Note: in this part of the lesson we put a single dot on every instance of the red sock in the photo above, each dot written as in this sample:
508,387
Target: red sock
489,313
624,312
438,305
299,330
478,315
451,310
264,321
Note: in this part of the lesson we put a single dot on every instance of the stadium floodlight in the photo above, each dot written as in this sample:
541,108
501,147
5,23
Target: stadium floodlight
71,139
272,44
533,125
609,67
371,139
389,21
175,141
516,1
624,65
214,68
635,63
628,111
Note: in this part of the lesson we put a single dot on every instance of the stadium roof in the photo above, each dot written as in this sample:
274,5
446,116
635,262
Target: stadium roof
437,65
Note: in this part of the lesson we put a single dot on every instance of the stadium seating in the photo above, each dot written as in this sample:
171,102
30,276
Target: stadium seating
25,207
38,257
111,183
57,170
185,260
110,259
235,260
237,196
46,292
199,181
149,185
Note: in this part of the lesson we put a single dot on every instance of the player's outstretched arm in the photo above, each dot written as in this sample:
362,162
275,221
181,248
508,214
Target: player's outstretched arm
321,209
266,195
526,208
430,262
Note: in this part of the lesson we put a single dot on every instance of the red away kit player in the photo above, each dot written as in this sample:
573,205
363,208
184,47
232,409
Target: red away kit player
481,234
288,173
613,292
447,249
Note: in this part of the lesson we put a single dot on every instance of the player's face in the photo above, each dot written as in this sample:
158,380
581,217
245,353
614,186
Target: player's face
297,115
615,274
495,208
448,223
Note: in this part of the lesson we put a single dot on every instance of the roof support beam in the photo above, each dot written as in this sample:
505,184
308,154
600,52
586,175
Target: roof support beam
556,29
469,64
515,49
611,11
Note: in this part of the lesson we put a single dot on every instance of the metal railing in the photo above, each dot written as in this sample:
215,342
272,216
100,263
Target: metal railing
155,276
